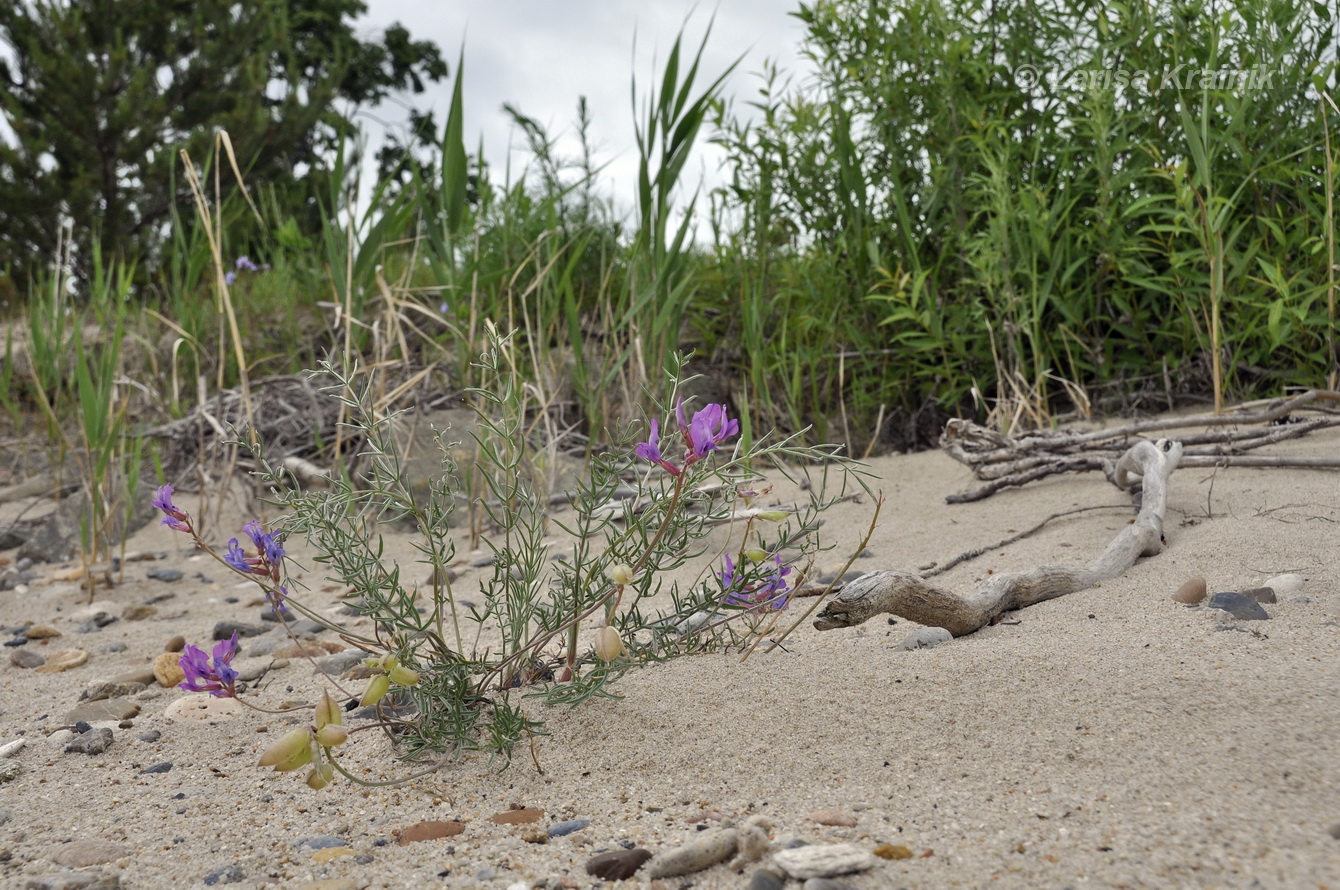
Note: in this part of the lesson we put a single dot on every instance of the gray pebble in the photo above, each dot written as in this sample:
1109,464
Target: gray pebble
228,874
164,767
559,829
223,630
1262,594
702,852
321,842
1334,830
341,661
113,648
1242,607
26,658
152,735
168,575
94,741
926,638
766,879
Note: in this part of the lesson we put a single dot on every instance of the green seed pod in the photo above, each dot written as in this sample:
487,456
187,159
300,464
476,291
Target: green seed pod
376,690
291,752
403,676
320,776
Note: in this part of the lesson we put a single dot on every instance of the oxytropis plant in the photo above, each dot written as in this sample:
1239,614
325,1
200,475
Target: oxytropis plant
448,674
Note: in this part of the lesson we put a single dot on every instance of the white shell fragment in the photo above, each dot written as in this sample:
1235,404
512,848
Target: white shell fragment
1285,584
823,861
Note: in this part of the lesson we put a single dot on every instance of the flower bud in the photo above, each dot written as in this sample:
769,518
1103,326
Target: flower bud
756,554
320,776
292,751
377,688
773,515
331,735
403,676
620,573
609,645
327,712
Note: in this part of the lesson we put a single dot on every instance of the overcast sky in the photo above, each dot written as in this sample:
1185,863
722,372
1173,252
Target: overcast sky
541,55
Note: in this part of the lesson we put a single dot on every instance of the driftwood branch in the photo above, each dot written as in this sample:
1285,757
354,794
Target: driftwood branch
912,597
1000,461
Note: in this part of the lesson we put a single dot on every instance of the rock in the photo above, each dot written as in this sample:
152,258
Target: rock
766,879
175,644
74,880
10,749
104,709
168,575
152,735
429,830
9,770
1242,607
833,817
63,660
26,658
59,537
321,842
41,632
144,675
341,661
926,638
1285,585
1192,592
892,851
702,852
1334,830
518,817
309,649
1262,594
100,689
164,767
94,741
559,829
83,853
223,630
138,612
228,874
617,865
167,669
752,841
201,707
250,670
823,860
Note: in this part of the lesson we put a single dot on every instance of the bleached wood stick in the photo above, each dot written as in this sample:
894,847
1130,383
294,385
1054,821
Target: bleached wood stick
912,597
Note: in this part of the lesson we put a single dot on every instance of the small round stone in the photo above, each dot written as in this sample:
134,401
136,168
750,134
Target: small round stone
617,865
167,669
1192,592
176,644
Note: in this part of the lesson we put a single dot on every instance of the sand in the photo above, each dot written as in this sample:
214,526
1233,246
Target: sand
1109,738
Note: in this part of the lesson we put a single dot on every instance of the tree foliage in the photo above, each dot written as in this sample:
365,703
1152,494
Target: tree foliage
100,95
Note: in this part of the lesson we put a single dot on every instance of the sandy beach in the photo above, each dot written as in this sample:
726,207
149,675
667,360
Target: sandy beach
1110,738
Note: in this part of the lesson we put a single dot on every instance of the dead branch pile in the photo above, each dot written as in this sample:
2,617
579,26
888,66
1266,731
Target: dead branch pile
1002,461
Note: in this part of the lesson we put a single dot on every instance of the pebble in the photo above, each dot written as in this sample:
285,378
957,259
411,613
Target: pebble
102,710
175,644
144,675
1192,592
892,851
168,575
702,852
309,649
139,612
83,853
9,749
823,860
518,817
1285,584
926,638
559,829
1239,606
73,880
167,669
228,874
203,708
152,735
41,632
341,661
94,741
617,865
1334,830
752,842
766,879
164,767
321,842
9,770
224,630
63,660
429,830
100,689
26,658
833,817
1262,594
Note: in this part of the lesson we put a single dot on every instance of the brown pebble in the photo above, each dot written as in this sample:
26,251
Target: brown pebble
167,669
1334,830
176,644
26,658
518,817
63,661
833,817
430,830
41,632
1192,592
138,612
1262,594
892,851
618,865
534,834
309,648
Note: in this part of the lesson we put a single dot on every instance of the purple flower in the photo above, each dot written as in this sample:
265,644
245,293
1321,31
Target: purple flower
244,264
651,449
708,429
237,558
267,544
727,575
229,278
177,518
276,598
771,592
218,679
